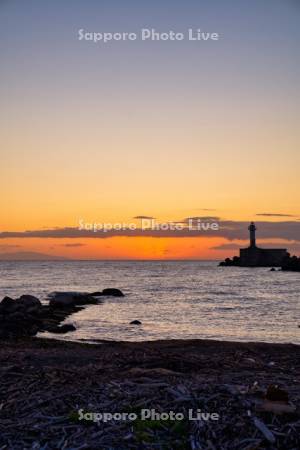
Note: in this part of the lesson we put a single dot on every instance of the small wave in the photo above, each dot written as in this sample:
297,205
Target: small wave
224,308
224,293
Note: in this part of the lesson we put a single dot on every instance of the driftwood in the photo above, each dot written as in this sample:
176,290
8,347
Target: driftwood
45,383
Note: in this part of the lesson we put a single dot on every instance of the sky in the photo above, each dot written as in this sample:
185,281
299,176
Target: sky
168,129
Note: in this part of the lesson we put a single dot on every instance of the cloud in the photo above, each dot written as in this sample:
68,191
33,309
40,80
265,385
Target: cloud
29,256
78,244
293,246
274,215
229,246
144,217
202,219
207,209
230,230
8,246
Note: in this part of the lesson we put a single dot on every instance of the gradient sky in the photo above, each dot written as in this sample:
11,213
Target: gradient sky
167,129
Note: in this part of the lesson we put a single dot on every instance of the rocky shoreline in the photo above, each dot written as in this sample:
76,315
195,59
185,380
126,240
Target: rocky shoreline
46,386
26,316
289,264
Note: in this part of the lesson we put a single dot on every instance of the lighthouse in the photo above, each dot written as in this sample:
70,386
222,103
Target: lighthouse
252,229
253,256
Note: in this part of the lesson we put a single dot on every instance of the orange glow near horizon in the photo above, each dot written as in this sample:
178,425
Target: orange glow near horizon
119,248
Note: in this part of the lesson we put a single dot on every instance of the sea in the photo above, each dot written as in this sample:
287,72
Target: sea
172,299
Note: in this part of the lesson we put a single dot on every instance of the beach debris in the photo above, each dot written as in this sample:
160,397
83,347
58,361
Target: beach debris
44,384
250,360
275,393
155,372
276,401
264,430
277,407
135,322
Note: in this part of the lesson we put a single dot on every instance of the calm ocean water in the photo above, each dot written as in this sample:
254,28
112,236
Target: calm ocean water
174,300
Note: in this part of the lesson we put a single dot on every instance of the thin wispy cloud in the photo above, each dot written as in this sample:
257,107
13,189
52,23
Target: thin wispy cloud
77,244
144,217
9,246
207,209
202,218
229,246
274,215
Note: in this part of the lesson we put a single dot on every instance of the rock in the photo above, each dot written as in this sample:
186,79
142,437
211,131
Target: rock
33,310
109,292
16,316
291,263
16,327
272,270
62,301
62,329
135,322
70,299
20,317
26,316
29,301
33,330
235,261
7,305
113,292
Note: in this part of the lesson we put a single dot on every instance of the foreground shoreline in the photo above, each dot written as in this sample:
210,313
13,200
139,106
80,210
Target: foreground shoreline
45,382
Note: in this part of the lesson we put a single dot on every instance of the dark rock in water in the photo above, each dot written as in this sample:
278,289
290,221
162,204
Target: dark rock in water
34,310
62,301
70,299
272,270
7,304
27,316
109,292
29,301
135,322
291,263
16,316
62,329
235,261
113,292
25,302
